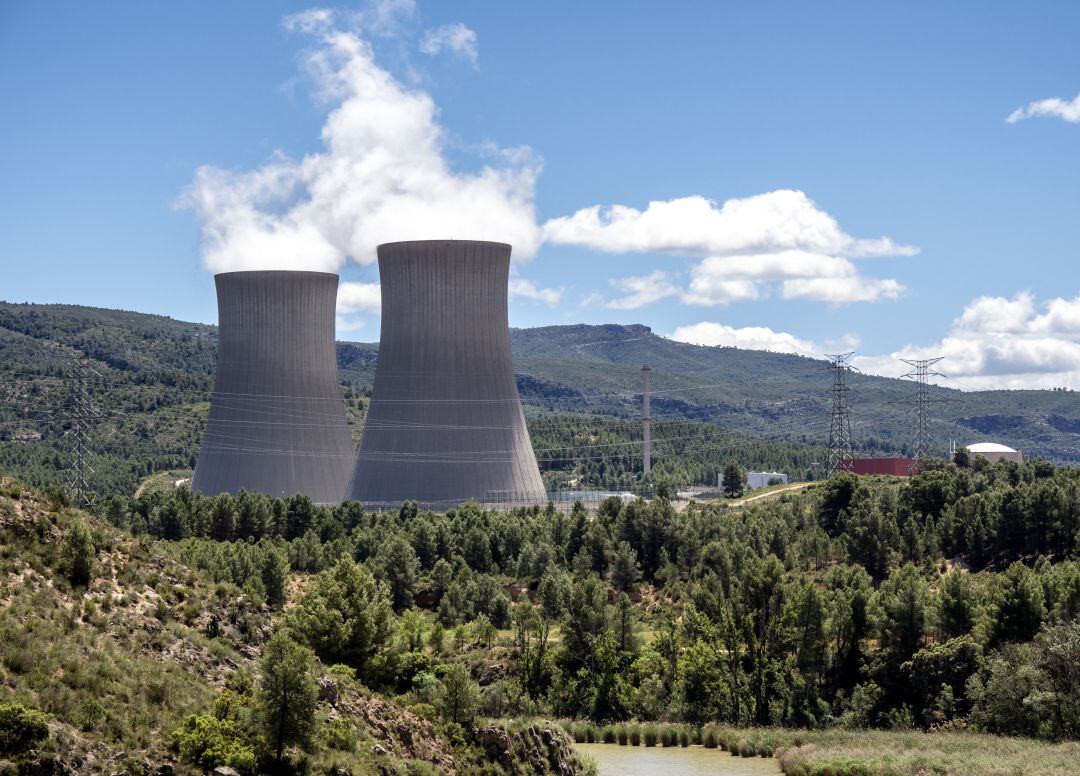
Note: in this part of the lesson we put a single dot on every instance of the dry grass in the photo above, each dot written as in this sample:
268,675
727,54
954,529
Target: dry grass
888,753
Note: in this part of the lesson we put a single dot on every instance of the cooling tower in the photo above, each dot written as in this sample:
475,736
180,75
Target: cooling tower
445,422
277,419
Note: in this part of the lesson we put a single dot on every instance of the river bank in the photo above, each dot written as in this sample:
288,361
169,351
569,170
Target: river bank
830,752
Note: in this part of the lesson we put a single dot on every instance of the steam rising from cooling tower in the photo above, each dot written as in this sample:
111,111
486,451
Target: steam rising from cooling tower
445,423
277,419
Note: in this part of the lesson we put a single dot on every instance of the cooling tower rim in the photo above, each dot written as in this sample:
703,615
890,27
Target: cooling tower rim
433,243
266,272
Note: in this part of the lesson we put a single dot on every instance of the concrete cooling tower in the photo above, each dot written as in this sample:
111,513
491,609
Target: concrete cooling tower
277,419
445,422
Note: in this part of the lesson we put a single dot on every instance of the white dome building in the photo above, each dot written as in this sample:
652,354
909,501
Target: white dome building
992,451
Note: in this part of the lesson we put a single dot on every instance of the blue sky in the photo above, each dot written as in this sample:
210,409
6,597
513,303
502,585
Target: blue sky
822,126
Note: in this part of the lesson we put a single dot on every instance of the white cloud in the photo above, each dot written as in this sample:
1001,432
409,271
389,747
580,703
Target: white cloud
526,289
804,275
841,290
359,298
997,342
380,176
348,324
778,236
1068,110
455,38
747,338
765,223
641,290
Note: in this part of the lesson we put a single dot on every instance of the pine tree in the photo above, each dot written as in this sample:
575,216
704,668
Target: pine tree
287,694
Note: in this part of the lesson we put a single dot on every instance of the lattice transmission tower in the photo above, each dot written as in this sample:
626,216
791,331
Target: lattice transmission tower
82,415
922,442
841,451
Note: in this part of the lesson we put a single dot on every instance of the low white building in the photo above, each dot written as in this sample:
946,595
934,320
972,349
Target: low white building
755,480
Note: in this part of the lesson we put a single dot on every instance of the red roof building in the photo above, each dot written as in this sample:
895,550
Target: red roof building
896,467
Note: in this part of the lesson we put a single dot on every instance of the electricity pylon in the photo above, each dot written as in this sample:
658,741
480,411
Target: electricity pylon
841,451
82,416
922,442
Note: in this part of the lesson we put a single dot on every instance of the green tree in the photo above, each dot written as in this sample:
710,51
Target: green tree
345,616
625,571
77,553
955,605
733,481
1018,604
287,694
554,591
400,569
275,575
901,602
459,697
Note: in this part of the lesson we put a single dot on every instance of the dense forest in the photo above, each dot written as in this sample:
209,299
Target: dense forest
950,599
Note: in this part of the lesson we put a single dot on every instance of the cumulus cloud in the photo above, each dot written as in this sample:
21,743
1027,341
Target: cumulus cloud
999,342
359,298
778,236
805,275
380,176
1054,107
747,338
456,38
526,289
765,223
841,290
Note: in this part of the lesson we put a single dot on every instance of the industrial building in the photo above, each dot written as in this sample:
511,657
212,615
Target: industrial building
445,423
277,419
992,451
757,480
895,467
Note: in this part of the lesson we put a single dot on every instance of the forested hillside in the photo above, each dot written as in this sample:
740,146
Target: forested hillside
121,655
580,386
949,601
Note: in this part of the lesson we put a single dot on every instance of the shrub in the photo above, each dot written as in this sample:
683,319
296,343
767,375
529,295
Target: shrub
20,728
208,742
609,735
339,734
684,737
669,736
650,737
635,736
622,735
709,738
90,714
590,734
77,553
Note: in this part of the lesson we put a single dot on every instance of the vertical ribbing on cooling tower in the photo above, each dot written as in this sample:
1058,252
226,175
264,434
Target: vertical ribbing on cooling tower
445,423
277,419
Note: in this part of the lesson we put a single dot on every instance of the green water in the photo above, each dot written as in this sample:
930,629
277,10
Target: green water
615,760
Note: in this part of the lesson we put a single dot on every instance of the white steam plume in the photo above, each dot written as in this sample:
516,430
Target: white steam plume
381,176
